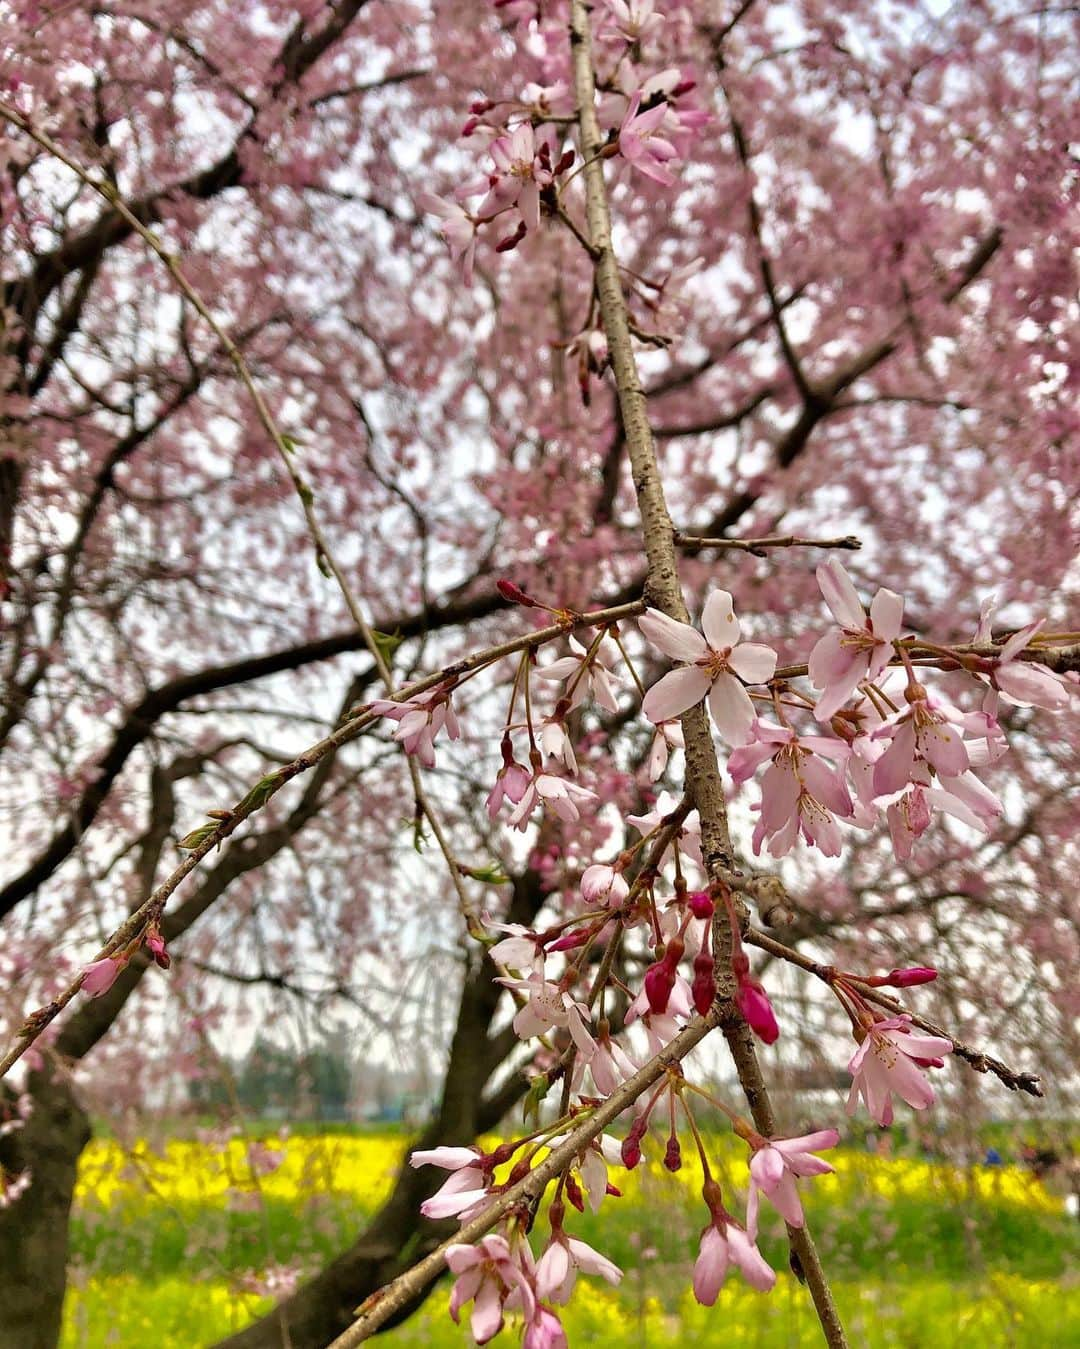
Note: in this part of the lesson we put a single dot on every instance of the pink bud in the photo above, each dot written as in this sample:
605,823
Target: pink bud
908,978
100,976
673,1154
701,906
481,106
570,940
659,982
631,1152
511,241
703,988
509,591
470,126
572,1190
753,1002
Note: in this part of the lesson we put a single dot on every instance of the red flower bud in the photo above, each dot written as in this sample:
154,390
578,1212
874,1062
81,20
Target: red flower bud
659,982
753,1002
673,1154
703,988
908,978
701,906
514,593
572,1190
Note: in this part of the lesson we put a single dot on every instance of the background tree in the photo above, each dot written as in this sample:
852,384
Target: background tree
876,341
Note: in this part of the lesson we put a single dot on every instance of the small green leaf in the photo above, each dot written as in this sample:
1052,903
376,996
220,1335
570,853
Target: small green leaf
198,836
260,793
290,444
387,643
492,874
530,1107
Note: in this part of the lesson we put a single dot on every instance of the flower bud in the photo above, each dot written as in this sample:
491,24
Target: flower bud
659,983
701,906
673,1154
514,593
753,1002
908,978
703,988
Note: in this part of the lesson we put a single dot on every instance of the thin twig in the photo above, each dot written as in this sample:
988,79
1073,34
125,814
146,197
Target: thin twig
759,546
980,1061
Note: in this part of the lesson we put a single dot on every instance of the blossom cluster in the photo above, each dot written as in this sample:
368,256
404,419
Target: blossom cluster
870,742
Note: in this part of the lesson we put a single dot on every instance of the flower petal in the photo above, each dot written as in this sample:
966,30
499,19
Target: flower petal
678,640
719,622
675,692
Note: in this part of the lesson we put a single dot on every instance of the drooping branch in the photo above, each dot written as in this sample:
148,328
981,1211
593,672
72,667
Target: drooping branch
663,590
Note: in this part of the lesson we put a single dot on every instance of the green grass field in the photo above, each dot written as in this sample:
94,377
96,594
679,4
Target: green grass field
167,1245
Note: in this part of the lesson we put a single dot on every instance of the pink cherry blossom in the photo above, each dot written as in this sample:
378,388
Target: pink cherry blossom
558,1267
1026,683
722,1245
596,682
668,736
635,19
642,146
563,797
889,1061
773,1169
458,228
488,1274
464,1188
800,794
860,648
523,165
601,883
511,784
718,665
928,729
555,743
544,1331
420,720
548,1005
688,838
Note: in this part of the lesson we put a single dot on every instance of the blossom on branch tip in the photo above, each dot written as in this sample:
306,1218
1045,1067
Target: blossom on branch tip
601,883
466,1186
718,665
688,837
562,796
929,730
635,19
773,1169
668,736
860,648
1026,683
523,166
890,1061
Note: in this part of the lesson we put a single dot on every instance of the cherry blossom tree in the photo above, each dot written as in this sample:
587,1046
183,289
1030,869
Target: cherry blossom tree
434,433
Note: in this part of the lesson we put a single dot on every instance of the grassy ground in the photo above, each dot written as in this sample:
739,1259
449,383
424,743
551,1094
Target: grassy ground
164,1245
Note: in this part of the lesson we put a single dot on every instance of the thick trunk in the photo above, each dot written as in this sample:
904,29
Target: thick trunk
34,1230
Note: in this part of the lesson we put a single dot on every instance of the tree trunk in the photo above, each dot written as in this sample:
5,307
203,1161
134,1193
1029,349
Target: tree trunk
34,1230
397,1236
